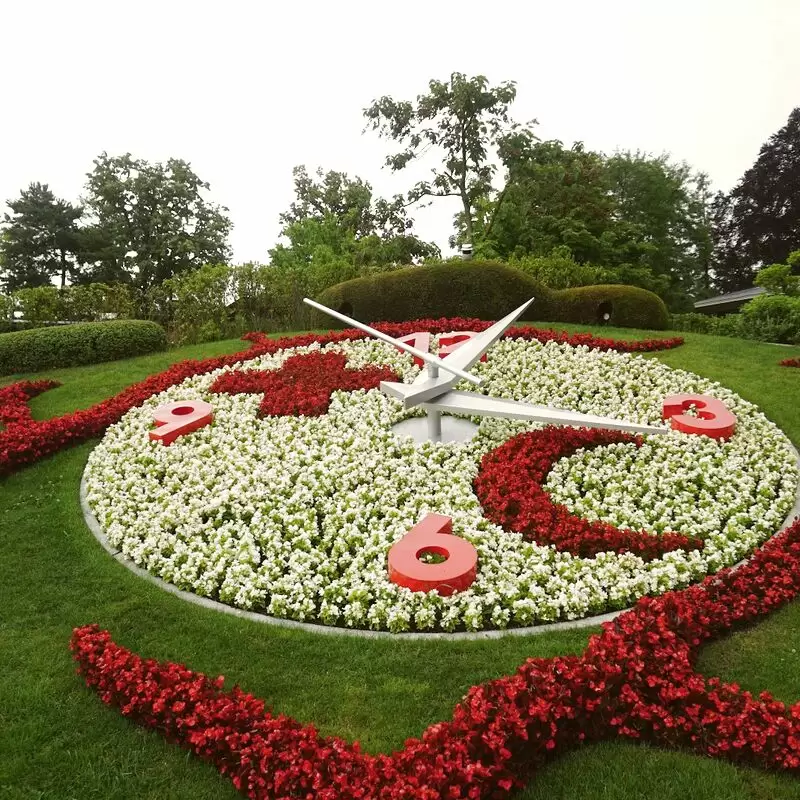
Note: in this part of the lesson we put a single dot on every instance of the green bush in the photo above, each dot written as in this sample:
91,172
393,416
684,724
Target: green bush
81,343
622,306
772,318
486,290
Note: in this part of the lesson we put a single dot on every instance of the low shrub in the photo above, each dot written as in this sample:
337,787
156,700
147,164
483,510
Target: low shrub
81,343
767,318
487,290
772,318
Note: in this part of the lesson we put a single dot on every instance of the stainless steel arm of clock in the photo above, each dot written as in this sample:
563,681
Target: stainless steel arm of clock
433,391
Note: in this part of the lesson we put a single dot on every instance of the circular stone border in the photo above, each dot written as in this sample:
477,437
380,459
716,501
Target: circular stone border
331,630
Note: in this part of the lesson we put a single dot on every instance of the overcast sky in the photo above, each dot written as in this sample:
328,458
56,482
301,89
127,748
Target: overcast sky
246,90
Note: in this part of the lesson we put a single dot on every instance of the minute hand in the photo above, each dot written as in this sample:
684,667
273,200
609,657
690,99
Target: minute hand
482,406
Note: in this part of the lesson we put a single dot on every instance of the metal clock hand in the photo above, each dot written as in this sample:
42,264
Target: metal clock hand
433,391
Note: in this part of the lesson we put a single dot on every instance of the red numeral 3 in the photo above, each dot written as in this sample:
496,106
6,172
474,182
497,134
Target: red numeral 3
713,418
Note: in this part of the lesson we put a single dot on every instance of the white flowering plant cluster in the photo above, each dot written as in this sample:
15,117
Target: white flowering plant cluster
294,516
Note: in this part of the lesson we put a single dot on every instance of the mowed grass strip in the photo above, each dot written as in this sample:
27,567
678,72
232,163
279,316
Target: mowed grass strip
57,740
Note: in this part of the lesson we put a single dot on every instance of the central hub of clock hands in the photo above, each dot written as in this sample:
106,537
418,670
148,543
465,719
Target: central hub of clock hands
433,391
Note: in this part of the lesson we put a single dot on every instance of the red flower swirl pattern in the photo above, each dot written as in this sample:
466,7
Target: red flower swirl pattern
509,486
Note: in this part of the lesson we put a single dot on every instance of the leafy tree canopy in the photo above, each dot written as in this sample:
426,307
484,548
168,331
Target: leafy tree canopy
151,221
758,222
462,118
40,239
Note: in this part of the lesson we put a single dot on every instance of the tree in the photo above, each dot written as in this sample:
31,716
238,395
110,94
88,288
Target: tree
41,240
151,221
335,220
464,118
758,222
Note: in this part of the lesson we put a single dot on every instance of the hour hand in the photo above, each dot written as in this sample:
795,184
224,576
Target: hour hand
473,404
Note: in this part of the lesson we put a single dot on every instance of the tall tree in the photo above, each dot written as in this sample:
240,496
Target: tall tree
463,118
759,221
336,219
151,221
40,239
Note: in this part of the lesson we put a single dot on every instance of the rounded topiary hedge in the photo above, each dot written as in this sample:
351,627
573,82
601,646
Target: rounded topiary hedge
624,306
487,290
81,343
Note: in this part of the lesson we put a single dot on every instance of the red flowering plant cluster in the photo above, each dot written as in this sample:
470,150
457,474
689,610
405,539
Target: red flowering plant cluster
24,440
303,385
635,680
14,401
790,362
509,487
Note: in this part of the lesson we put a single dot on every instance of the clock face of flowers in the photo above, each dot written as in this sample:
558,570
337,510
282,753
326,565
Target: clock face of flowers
294,516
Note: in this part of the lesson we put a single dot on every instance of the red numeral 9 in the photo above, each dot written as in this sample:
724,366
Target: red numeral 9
176,419
713,418
433,535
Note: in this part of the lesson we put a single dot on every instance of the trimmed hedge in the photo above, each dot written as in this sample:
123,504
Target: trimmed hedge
487,290
81,343
626,306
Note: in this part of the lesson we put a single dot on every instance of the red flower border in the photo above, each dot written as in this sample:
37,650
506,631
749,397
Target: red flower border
509,487
24,440
635,680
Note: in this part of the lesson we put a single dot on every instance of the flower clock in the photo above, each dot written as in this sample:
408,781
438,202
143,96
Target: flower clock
278,480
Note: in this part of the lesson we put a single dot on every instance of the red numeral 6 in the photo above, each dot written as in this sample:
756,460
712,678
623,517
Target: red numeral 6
713,418
433,535
175,419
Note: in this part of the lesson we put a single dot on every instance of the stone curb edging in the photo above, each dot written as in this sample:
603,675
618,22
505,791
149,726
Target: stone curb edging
330,630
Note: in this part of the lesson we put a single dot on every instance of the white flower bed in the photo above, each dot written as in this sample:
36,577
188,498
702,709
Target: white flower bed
295,516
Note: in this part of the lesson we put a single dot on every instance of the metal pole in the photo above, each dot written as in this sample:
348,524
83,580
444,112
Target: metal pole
434,416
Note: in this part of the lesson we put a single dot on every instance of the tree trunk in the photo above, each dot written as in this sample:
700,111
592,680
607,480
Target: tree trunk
63,269
467,217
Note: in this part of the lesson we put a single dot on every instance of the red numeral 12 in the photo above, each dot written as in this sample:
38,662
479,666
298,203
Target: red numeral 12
433,535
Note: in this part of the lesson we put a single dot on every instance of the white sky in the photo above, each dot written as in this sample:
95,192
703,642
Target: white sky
246,90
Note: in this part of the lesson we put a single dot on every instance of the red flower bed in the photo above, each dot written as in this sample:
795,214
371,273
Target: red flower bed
14,400
25,441
634,680
790,362
303,385
509,486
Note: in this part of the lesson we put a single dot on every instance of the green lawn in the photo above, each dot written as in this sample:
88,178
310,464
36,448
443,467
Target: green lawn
57,740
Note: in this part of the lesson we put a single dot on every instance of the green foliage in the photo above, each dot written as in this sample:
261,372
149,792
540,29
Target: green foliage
758,222
463,118
151,221
41,304
81,303
641,220
487,290
778,279
81,343
773,318
40,241
623,306
201,298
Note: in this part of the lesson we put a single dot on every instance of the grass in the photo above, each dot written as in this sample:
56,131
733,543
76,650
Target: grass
58,741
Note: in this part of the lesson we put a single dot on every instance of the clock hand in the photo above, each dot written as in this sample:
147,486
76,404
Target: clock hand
480,405
431,360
